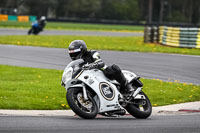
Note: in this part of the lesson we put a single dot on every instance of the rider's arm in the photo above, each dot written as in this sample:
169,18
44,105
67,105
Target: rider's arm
98,61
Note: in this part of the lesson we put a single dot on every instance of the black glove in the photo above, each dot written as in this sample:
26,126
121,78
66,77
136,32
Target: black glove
90,66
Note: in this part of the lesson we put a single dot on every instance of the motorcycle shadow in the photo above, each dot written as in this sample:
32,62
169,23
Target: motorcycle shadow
100,117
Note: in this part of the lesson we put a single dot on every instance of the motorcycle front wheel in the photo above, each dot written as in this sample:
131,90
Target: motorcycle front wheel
85,109
30,31
142,109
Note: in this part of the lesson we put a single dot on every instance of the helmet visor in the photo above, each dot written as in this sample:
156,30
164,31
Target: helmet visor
75,54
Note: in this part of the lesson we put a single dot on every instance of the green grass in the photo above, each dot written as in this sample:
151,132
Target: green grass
28,88
33,88
74,26
166,93
96,42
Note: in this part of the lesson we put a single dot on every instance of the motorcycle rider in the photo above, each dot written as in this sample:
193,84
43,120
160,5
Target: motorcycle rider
78,50
42,23
38,25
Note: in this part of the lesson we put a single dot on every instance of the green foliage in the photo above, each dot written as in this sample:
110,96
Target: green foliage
33,88
177,17
101,9
95,9
96,42
120,9
178,11
75,26
82,8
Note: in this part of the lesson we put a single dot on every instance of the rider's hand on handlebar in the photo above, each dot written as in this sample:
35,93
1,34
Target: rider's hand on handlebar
89,66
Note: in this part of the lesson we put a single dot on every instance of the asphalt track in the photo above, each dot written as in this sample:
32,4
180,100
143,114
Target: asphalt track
12,31
167,67
63,124
149,65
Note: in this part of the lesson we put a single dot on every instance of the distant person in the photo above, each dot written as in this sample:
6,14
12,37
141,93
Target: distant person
42,23
37,26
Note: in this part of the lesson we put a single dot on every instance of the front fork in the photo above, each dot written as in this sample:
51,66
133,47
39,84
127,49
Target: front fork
85,97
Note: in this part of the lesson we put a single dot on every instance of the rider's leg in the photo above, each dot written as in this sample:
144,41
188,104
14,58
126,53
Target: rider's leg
114,72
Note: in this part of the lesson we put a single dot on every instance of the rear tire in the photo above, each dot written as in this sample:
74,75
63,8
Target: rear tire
136,111
78,105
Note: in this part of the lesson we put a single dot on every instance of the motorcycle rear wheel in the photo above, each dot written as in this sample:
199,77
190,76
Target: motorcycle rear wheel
85,109
140,111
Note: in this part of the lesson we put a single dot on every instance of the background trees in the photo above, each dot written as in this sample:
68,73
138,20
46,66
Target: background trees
163,11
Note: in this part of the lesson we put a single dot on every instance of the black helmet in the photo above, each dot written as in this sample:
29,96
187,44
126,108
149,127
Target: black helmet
77,49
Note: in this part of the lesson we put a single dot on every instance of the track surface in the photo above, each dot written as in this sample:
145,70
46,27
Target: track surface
63,124
167,67
12,31
148,65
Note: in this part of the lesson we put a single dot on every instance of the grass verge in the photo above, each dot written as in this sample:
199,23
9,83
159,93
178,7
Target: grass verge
96,42
75,26
30,88
33,88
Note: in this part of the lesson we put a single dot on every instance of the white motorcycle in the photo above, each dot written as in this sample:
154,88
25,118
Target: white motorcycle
90,93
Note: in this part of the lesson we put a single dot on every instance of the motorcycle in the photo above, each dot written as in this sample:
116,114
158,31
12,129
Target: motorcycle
35,28
90,93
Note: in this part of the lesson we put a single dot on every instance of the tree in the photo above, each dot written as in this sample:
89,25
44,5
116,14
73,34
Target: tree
79,8
150,11
179,11
119,10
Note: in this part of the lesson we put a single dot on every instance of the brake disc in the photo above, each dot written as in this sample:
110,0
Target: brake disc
86,104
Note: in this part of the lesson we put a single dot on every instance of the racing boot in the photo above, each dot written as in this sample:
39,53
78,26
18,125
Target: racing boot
129,88
119,76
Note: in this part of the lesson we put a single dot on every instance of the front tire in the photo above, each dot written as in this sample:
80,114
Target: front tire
85,109
30,31
140,111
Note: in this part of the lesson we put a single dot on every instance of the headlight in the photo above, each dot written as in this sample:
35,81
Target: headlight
67,75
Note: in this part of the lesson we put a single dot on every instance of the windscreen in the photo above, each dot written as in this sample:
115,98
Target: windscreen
75,63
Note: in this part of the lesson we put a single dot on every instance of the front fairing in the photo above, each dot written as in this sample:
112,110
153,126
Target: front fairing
72,70
75,63
107,92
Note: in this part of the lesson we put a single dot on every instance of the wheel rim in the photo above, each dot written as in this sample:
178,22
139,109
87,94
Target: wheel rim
86,106
143,106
